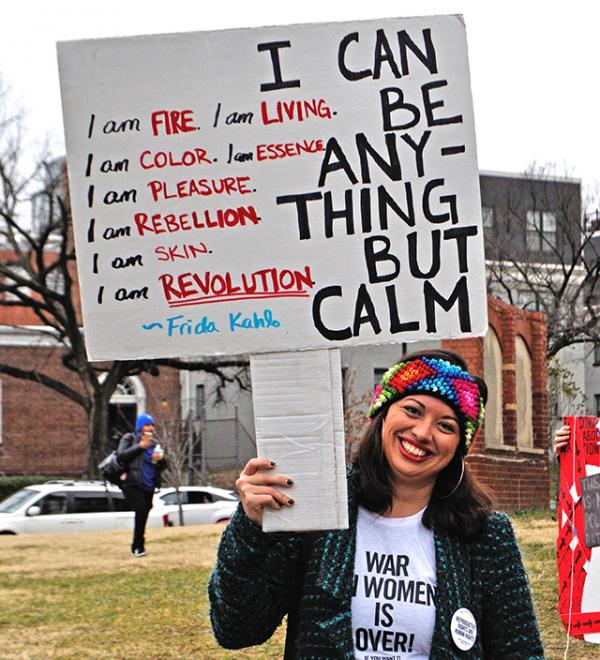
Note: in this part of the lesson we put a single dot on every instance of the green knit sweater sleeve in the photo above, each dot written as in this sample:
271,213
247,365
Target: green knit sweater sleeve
509,623
251,585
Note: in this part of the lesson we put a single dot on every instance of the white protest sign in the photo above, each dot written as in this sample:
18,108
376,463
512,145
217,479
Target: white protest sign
274,189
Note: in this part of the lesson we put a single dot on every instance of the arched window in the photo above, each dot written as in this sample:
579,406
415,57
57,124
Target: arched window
492,368
524,394
125,388
126,403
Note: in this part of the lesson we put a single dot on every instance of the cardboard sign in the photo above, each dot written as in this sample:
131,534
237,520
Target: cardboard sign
578,561
590,488
274,189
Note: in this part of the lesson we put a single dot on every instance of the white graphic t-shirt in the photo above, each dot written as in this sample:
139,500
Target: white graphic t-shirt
393,594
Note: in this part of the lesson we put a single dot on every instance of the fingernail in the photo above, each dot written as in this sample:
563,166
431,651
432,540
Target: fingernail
290,502
273,463
289,482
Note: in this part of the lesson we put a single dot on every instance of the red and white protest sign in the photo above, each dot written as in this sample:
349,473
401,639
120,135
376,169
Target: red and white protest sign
578,545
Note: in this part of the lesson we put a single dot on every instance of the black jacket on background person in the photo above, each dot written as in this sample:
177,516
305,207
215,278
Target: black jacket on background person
139,483
131,455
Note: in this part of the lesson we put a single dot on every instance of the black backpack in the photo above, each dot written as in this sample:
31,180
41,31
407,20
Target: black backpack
110,469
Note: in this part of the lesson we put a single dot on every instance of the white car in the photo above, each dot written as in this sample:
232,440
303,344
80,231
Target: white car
70,506
200,505
66,506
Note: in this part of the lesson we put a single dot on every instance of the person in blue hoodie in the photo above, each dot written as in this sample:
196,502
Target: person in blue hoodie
144,461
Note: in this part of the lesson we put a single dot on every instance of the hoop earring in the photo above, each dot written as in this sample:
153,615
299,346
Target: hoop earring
462,474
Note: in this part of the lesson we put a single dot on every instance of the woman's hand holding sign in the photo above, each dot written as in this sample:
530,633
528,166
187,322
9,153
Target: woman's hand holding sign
258,488
562,437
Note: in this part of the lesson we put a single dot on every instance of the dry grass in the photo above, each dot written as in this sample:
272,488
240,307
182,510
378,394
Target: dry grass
536,533
93,553
81,595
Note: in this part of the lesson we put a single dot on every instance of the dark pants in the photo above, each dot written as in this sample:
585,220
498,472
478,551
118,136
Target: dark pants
140,501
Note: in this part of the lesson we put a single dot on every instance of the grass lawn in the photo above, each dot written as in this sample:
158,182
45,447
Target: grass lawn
81,595
536,533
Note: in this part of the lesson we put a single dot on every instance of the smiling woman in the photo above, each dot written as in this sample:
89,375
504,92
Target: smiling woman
419,437
426,568
424,415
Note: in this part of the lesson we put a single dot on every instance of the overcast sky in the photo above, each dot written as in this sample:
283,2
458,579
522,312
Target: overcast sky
534,65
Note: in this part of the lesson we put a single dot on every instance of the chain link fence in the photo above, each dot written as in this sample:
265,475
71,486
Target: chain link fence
199,448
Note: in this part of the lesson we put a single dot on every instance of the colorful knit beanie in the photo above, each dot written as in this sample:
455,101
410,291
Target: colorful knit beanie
437,377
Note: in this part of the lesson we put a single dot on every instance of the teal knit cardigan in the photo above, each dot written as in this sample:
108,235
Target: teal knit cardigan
260,577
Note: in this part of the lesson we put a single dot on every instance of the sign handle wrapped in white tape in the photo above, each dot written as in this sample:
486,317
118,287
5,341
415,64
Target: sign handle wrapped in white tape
299,425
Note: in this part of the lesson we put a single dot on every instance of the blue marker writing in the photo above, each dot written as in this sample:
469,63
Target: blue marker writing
189,327
151,326
254,322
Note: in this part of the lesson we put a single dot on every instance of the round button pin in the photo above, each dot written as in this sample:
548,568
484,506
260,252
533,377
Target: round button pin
463,628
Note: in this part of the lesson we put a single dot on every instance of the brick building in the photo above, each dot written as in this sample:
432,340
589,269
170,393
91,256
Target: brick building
541,255
45,433
41,431
510,454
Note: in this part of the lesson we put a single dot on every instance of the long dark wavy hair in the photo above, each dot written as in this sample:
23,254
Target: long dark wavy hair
463,512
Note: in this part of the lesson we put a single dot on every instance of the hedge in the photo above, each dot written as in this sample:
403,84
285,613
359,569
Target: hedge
9,485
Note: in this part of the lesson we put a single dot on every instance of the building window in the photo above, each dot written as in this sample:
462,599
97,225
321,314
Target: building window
378,375
546,302
541,231
200,402
597,404
492,369
125,388
535,301
597,354
496,290
127,401
524,394
56,281
487,217
526,299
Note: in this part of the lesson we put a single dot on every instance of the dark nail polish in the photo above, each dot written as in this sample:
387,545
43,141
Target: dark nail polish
273,463
289,482
290,502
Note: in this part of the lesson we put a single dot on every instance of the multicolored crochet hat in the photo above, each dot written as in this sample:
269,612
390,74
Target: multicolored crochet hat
440,378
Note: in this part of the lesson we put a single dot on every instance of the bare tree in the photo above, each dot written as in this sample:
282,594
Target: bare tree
178,429
356,406
542,254
175,436
38,274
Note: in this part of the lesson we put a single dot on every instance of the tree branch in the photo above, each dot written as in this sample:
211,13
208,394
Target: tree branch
44,379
